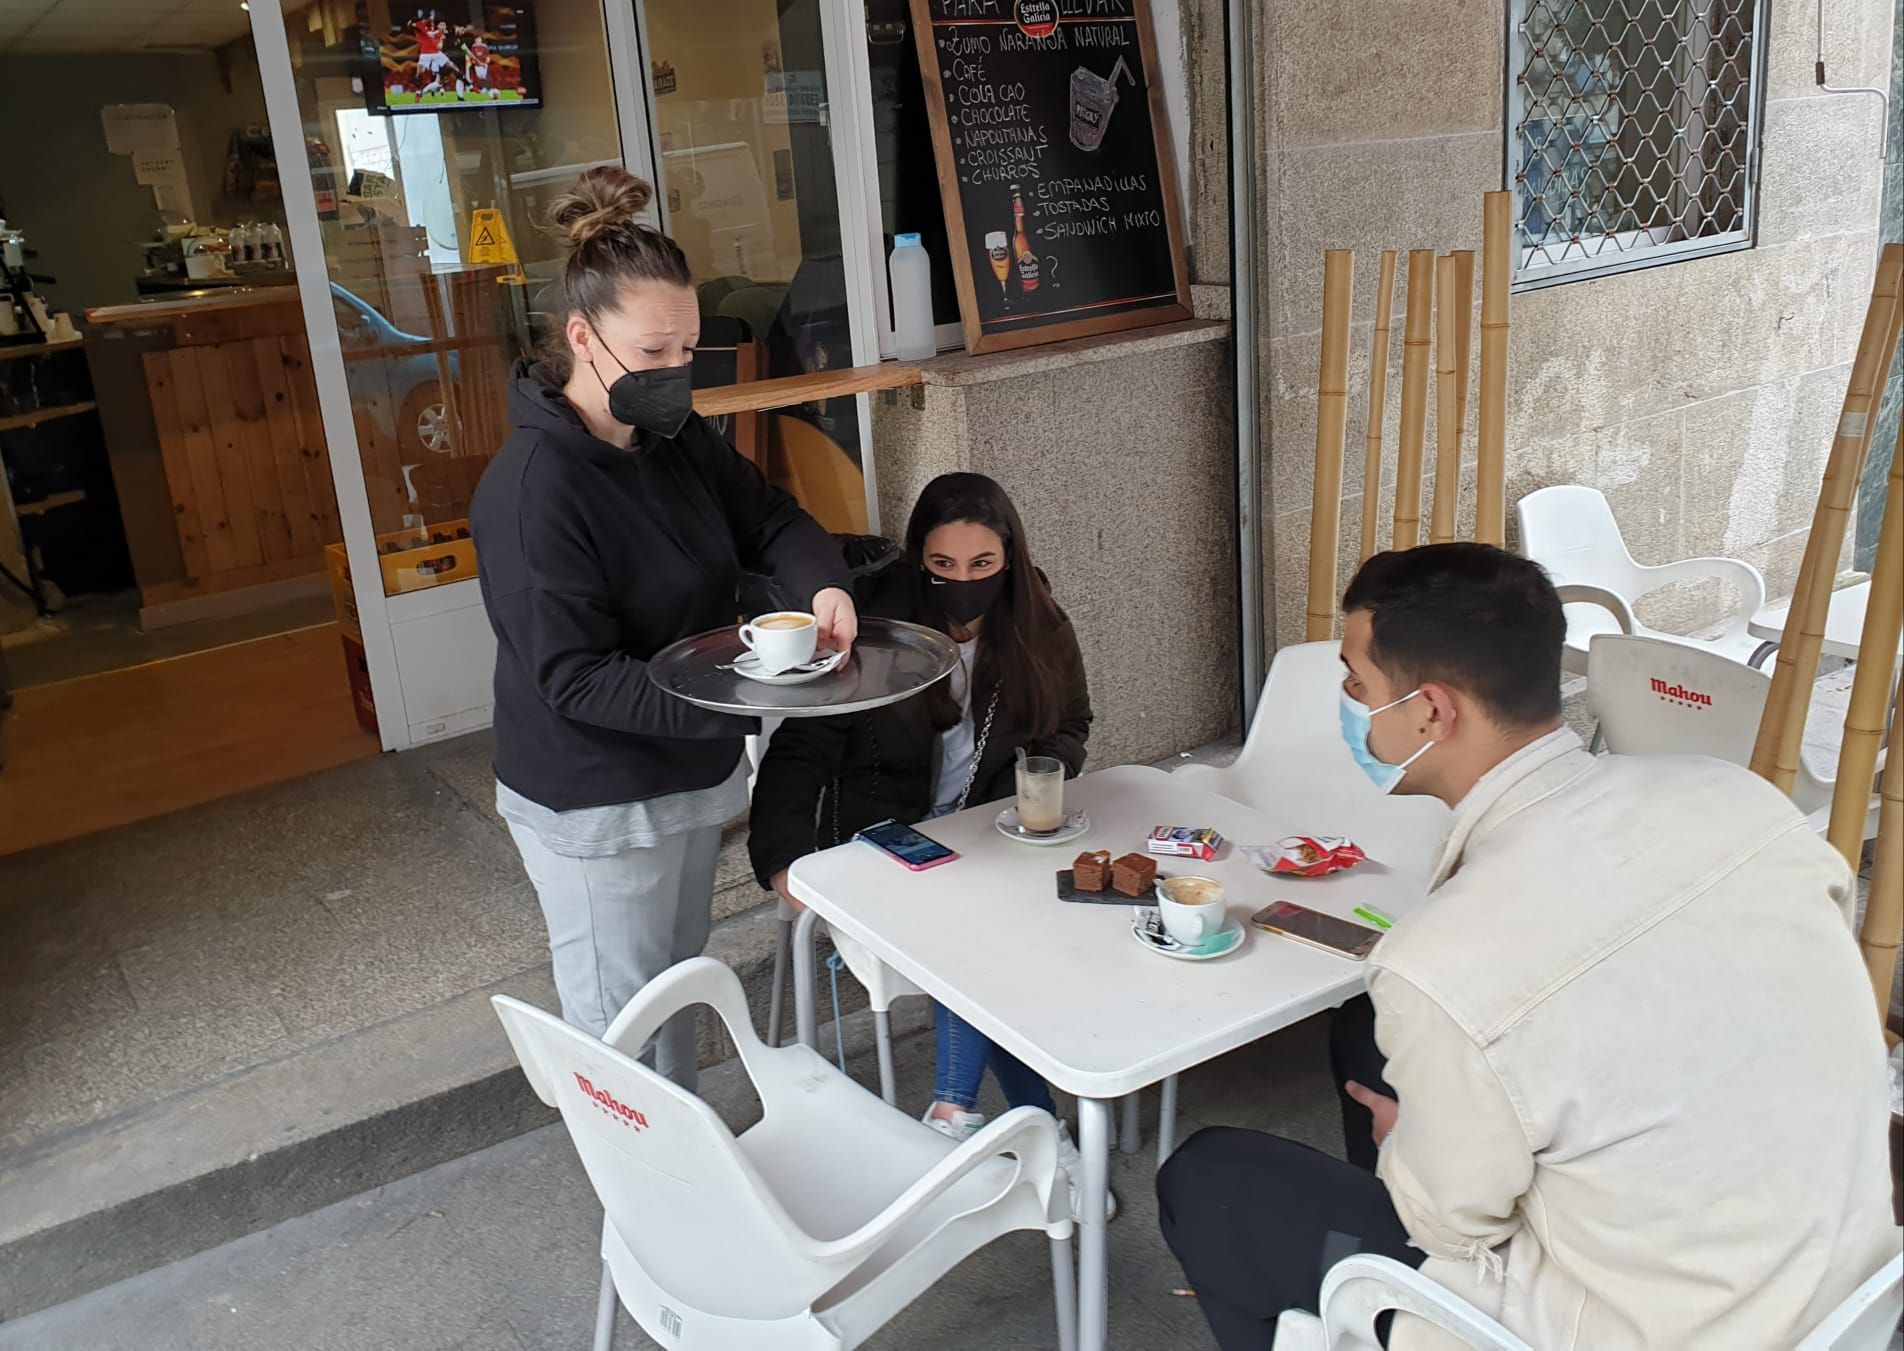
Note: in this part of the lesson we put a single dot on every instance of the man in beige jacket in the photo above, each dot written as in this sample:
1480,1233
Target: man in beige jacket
1642,1098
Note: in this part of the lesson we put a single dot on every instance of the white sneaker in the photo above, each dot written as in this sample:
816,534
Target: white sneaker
1072,1163
960,1126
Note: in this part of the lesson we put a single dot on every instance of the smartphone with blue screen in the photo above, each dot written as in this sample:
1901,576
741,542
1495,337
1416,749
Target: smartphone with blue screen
908,847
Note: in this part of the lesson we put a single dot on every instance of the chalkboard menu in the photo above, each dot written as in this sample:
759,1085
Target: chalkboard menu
1055,167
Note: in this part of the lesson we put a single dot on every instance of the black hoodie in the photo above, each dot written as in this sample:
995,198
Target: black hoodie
592,559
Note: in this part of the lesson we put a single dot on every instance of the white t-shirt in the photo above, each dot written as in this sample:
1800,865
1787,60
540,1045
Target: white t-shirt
956,744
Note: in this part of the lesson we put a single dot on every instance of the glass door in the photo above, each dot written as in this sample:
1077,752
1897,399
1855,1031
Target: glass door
421,143
743,142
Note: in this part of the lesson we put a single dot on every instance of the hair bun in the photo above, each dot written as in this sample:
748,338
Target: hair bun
604,198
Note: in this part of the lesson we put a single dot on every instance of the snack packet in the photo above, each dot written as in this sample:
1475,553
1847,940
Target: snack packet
1305,855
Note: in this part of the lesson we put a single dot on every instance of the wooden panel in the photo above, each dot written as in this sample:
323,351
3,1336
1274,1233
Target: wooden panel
85,755
247,393
234,472
317,464
287,454
176,457
207,491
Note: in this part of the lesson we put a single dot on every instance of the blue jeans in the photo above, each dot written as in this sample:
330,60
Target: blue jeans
964,1052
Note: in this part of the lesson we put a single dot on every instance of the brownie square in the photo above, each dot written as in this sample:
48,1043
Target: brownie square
1092,870
1133,874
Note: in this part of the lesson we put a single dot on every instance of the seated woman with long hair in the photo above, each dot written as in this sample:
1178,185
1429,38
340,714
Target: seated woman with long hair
967,572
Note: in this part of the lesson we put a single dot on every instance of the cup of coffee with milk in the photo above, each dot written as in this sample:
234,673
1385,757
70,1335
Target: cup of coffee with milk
782,640
1192,908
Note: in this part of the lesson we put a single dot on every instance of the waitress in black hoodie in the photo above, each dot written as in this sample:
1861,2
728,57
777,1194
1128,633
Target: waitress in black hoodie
613,522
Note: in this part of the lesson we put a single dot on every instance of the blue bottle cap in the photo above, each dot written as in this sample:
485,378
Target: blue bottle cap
907,241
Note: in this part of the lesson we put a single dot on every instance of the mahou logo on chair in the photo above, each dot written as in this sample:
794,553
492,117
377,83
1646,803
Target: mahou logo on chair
1679,694
610,1104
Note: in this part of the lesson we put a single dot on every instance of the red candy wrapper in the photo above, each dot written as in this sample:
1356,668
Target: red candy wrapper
1307,855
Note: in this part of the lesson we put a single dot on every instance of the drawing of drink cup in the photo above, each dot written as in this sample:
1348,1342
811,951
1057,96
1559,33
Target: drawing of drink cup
998,249
1093,100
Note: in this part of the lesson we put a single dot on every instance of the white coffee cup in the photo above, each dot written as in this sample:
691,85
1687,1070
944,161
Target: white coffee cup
1192,908
781,640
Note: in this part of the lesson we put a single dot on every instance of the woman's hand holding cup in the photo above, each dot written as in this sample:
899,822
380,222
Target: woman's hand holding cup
838,619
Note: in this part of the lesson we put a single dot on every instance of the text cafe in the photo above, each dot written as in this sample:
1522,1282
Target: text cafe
924,235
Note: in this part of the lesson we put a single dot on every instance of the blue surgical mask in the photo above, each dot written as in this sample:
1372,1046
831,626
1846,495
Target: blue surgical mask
1355,732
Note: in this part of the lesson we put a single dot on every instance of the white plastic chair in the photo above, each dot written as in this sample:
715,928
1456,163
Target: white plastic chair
1631,688
1570,531
807,1232
1358,1289
1295,770
1868,1317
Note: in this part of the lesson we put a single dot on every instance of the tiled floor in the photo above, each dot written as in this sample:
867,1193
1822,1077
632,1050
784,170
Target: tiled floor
155,958
497,1251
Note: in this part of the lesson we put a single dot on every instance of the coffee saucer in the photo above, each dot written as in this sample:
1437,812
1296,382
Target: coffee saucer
1075,824
1147,927
823,663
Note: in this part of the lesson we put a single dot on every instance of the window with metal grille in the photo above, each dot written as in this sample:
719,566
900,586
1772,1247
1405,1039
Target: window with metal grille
1632,131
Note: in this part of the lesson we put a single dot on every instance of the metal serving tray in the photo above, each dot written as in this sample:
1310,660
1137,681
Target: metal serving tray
891,660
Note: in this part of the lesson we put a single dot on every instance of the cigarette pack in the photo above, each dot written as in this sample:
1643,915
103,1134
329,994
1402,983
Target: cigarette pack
1185,842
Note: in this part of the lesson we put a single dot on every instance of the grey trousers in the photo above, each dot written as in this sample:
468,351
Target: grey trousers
615,923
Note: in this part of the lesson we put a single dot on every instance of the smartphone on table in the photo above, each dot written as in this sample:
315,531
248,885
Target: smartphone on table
1340,936
907,846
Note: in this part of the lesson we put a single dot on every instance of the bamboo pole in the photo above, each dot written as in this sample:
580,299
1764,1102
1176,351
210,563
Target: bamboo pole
1447,419
1871,683
1377,406
1416,325
1464,328
1490,441
1332,419
1884,912
1782,729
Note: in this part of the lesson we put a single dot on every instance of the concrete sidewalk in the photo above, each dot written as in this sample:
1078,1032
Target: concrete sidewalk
497,1251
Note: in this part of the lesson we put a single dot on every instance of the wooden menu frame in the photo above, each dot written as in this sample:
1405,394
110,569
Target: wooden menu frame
977,340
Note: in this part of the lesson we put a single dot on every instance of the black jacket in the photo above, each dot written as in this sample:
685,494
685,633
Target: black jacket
823,779
593,559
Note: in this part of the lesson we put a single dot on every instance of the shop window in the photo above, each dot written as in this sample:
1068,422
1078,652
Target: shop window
909,197
747,175
1632,131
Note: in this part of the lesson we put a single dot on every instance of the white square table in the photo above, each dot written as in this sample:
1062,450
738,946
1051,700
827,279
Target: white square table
1844,623
1064,986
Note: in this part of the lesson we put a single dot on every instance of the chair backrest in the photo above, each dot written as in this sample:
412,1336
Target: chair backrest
689,1206
1294,767
1360,1288
1655,697
1570,531
1867,1319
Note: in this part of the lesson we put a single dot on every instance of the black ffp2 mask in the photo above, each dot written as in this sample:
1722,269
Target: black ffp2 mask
965,601
656,400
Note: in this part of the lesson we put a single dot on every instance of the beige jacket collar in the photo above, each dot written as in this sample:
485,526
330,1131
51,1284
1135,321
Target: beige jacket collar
1537,770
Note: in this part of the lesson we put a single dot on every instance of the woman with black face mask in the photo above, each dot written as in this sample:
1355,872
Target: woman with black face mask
612,523
967,571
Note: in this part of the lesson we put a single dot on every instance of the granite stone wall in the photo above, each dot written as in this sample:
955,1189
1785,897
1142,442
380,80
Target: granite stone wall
1699,396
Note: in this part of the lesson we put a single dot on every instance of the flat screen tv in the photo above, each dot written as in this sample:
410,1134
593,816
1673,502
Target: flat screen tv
453,54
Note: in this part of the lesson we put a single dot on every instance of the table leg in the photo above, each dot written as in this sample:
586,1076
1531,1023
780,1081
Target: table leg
1130,1134
1167,1122
806,1015
1094,1142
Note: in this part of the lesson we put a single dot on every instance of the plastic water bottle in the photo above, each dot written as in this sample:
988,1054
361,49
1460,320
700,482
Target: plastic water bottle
911,273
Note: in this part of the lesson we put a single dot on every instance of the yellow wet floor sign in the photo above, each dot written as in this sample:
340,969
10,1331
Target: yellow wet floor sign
489,237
